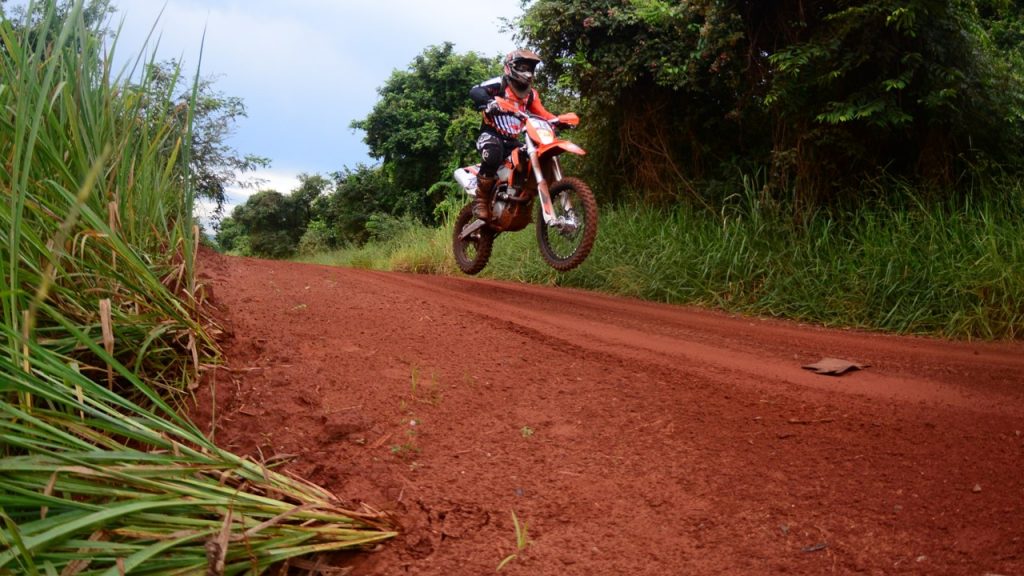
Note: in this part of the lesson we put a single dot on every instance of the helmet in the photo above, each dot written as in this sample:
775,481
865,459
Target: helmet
519,68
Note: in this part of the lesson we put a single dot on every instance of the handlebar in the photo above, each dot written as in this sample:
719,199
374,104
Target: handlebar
567,120
509,108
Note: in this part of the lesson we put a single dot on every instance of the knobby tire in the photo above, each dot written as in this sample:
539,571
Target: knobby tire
587,208
480,241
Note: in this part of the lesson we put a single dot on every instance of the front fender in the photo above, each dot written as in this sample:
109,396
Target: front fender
558,147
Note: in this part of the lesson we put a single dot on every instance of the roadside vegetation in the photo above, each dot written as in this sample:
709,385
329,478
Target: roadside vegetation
954,270
851,165
104,333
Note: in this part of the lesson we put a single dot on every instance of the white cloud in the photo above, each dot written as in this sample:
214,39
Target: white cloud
283,181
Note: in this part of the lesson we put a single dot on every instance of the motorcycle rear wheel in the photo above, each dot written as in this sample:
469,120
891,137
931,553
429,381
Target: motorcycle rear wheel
566,245
473,251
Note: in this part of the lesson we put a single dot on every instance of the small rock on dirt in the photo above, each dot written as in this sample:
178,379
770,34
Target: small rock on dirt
834,366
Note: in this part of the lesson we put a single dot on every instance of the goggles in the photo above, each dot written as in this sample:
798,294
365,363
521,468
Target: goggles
524,66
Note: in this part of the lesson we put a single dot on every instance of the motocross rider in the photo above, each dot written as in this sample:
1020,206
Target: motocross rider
499,130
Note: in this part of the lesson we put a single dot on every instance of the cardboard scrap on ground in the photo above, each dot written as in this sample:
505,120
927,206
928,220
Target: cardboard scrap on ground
834,366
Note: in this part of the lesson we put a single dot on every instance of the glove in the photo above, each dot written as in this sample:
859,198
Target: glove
492,108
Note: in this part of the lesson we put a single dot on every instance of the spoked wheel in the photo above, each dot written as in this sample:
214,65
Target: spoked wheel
566,242
473,251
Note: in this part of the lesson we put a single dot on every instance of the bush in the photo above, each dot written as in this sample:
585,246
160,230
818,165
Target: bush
273,244
318,237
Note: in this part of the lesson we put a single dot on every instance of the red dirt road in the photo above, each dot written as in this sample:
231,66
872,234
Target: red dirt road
629,437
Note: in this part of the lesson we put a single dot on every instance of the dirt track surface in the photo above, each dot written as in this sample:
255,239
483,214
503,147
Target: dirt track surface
629,437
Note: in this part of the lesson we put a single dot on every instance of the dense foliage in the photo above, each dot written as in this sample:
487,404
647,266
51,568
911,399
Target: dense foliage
820,95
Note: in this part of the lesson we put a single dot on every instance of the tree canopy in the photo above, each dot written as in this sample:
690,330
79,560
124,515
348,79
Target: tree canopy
417,128
820,94
213,165
95,13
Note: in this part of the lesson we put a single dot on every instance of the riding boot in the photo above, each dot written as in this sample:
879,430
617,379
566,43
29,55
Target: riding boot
484,194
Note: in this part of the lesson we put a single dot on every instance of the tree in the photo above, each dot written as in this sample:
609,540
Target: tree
408,126
358,195
272,222
914,88
822,95
229,233
213,164
659,83
312,188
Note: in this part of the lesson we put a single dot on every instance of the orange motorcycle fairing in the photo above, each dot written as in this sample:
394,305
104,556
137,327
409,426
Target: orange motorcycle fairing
519,162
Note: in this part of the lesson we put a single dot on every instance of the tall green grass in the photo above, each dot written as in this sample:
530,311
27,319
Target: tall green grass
103,334
952,268
92,483
97,205
408,248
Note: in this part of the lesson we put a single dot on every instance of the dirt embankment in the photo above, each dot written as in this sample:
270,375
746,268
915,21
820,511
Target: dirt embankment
629,437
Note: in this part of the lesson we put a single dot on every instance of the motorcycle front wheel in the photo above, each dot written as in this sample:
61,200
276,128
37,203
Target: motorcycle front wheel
566,242
473,251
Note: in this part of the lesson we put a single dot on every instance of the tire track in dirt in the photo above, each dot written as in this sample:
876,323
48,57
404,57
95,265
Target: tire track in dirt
727,345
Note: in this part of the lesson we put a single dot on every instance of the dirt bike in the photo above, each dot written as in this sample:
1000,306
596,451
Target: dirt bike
566,216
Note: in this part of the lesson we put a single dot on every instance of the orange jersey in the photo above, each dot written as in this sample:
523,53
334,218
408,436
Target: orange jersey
505,124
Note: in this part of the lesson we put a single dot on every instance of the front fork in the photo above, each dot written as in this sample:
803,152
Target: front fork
542,184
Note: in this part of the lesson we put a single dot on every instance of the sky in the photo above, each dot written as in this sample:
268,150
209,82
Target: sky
305,69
